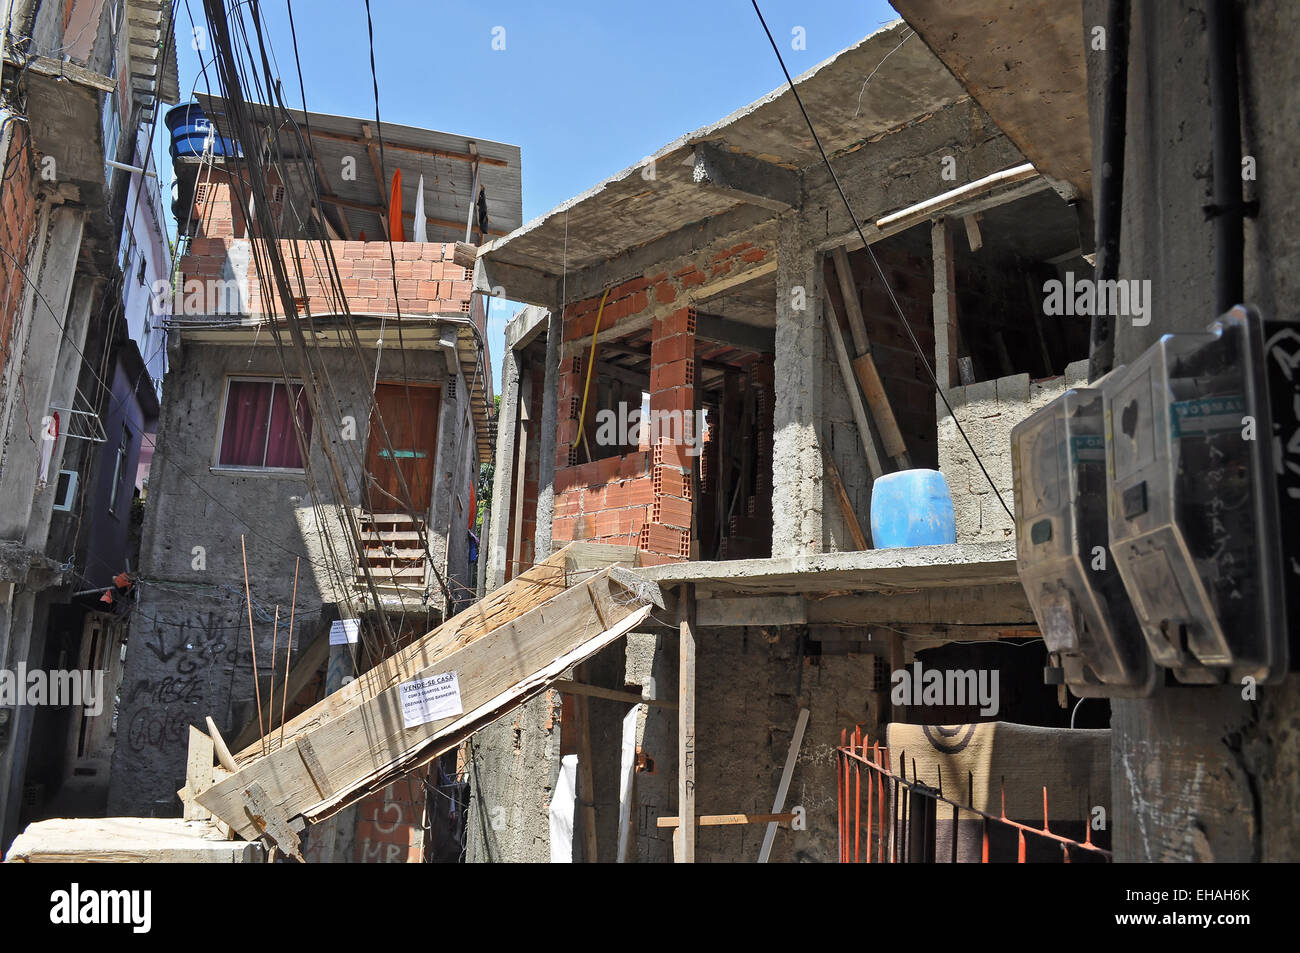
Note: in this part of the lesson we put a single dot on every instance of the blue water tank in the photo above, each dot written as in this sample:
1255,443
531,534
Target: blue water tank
912,508
190,130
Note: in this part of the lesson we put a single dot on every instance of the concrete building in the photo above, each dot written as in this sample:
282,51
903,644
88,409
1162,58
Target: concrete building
719,286
339,467
82,85
1200,95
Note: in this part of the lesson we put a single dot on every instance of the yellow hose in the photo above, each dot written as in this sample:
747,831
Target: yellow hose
591,362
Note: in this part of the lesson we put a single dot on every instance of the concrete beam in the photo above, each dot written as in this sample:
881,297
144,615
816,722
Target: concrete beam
525,326
710,327
745,178
723,612
499,279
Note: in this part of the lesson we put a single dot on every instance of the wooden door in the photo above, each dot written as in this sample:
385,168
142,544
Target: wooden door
410,416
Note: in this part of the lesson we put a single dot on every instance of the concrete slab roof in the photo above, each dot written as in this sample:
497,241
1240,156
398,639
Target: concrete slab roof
872,570
1023,61
444,159
885,82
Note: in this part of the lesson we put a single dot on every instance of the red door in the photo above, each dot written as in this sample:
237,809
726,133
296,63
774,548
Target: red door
410,416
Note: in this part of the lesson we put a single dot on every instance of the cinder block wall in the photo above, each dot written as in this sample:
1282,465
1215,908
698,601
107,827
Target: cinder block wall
987,412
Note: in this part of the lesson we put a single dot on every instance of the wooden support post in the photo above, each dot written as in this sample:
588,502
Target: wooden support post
945,304
783,788
224,758
864,365
851,388
842,495
521,468
586,797
686,723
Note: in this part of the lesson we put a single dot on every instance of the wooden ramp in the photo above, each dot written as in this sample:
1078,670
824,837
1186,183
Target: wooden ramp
502,651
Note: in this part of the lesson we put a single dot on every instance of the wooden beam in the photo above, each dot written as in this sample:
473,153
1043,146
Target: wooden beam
367,742
610,694
727,820
850,382
402,147
219,746
842,495
864,365
382,213
586,789
686,722
783,788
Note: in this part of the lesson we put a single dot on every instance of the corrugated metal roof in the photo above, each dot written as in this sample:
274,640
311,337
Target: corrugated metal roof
342,147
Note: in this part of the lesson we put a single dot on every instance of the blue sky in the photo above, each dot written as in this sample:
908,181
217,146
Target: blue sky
585,89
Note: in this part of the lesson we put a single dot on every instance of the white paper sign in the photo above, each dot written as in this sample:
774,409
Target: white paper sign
344,631
428,699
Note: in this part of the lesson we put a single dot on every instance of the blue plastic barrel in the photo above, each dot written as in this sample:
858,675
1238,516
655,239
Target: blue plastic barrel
912,508
190,130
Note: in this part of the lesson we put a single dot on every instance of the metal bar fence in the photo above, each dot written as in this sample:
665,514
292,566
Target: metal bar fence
913,807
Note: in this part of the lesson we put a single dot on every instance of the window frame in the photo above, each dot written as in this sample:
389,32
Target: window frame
219,467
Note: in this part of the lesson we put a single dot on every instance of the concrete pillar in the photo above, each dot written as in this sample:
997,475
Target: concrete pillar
63,393
503,477
797,475
546,438
46,314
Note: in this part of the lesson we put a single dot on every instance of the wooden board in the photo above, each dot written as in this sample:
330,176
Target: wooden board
368,738
129,840
522,594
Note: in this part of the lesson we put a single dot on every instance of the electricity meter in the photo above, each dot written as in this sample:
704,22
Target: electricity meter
1192,502
1058,460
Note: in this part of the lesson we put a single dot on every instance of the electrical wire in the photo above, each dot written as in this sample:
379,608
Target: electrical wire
880,272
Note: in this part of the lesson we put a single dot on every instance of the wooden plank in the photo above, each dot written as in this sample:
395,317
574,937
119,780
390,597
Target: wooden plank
368,737
198,774
846,505
455,735
612,694
686,722
586,796
864,365
783,788
270,821
520,487
850,381
129,840
728,820
521,595
319,776
219,745
627,805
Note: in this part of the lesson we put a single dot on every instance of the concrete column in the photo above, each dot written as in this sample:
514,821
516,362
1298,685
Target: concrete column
63,393
503,476
797,476
47,314
546,439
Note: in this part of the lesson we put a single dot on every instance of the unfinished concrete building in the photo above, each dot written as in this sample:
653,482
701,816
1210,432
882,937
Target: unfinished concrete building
361,511
721,288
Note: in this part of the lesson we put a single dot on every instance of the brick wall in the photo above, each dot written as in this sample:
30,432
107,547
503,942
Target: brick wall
17,222
642,498
428,281
389,827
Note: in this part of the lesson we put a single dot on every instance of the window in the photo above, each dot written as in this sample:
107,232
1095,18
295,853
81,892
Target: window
257,429
119,469
65,491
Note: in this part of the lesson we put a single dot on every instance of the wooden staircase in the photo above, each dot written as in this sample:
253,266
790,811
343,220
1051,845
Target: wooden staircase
391,550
